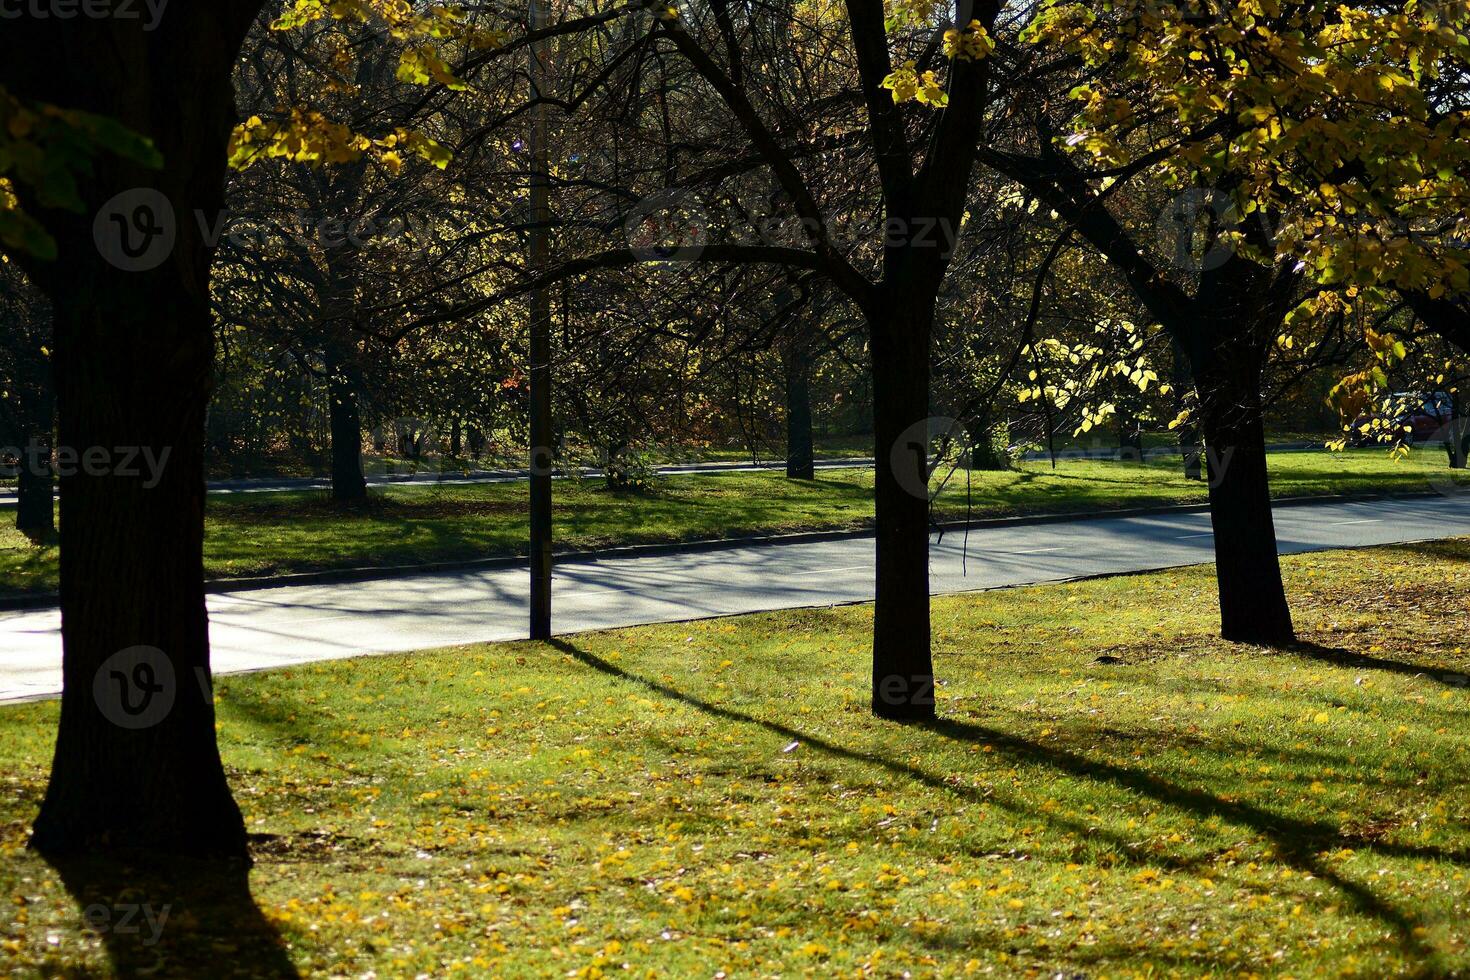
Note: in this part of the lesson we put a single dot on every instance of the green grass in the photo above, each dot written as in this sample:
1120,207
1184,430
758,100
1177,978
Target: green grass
263,534
691,798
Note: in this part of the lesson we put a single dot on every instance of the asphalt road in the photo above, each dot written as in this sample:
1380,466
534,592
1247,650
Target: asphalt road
296,624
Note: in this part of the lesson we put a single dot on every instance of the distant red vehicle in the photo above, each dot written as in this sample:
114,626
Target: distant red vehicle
1417,415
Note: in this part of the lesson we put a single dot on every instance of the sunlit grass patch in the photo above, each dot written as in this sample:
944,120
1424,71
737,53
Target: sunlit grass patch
709,796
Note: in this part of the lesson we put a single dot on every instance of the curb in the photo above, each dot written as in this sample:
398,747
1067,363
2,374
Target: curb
49,600
1154,452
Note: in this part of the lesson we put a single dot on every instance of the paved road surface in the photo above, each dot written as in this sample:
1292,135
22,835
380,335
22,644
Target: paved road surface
279,626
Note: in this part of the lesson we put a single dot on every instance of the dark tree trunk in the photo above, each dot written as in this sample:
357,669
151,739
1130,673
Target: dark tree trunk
1188,433
1457,436
33,398
617,471
984,454
903,669
136,765
800,448
456,439
1130,438
348,483
1189,448
1253,606
35,509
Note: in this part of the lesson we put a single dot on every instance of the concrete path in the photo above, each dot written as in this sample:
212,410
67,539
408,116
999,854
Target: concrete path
297,624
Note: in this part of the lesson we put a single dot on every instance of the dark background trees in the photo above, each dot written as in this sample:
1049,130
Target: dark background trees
28,405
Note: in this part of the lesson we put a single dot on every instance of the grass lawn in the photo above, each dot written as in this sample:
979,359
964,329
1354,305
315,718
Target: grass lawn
714,796
261,534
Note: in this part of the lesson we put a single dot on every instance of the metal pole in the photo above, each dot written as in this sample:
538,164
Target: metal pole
540,373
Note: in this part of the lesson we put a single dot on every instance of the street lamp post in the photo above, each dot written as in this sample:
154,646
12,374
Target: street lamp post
540,310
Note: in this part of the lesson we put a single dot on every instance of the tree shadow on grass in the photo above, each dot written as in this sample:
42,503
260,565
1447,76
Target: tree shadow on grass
1299,843
175,917
1448,550
853,755
1340,657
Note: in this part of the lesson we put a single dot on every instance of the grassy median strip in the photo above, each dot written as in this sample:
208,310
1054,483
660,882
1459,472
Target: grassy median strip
271,533
690,798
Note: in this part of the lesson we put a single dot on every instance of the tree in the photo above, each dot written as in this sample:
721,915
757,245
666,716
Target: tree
921,168
133,348
922,177
1245,111
326,220
124,255
27,407
1224,313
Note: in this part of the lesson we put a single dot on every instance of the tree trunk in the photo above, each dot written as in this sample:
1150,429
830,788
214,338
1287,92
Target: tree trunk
1457,436
800,449
984,454
136,765
617,471
903,670
348,483
33,395
1188,432
456,439
1253,607
1189,448
35,510
36,504
1130,438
